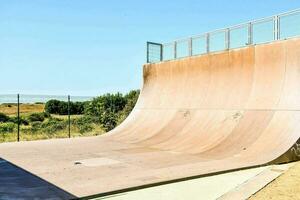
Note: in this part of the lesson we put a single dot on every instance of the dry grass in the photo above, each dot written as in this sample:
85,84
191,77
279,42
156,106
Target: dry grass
11,109
286,187
29,136
25,133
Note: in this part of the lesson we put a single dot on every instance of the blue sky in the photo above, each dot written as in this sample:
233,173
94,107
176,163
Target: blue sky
92,47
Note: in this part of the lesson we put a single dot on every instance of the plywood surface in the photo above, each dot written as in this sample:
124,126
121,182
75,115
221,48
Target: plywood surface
195,116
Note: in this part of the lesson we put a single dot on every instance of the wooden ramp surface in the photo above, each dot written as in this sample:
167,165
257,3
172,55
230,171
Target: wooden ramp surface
195,116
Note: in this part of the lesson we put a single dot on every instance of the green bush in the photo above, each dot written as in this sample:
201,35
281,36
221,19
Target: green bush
53,125
77,108
86,119
109,120
84,128
38,117
61,107
111,109
85,123
131,99
106,108
4,117
36,127
23,121
56,107
8,127
105,103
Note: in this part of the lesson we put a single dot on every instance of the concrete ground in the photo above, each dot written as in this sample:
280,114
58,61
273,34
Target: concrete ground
240,184
95,165
233,185
70,168
21,184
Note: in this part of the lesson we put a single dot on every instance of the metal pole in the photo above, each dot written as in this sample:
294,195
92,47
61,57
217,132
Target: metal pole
147,52
190,47
69,118
276,28
207,43
18,116
250,33
175,50
227,38
161,52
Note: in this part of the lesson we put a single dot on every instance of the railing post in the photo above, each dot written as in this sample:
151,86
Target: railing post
250,33
175,50
147,52
227,38
190,47
276,27
18,116
207,42
161,52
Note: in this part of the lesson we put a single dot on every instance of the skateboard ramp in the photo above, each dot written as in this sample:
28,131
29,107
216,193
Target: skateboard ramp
240,104
195,116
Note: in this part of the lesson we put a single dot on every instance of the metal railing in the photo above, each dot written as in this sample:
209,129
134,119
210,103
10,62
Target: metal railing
277,27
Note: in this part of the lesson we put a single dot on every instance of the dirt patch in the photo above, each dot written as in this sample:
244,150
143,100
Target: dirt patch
287,186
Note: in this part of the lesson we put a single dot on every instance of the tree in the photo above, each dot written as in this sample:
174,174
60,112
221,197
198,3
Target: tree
131,99
107,108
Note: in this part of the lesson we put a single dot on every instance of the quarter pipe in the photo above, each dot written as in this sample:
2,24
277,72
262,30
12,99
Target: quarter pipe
195,116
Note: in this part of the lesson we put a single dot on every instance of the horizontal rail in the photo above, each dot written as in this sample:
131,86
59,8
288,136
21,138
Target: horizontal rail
250,26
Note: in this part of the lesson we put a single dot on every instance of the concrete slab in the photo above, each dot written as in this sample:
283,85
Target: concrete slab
17,183
233,185
254,184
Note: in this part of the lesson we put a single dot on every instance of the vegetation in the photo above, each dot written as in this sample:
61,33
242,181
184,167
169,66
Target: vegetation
94,117
3,117
131,99
11,108
61,107
38,117
111,109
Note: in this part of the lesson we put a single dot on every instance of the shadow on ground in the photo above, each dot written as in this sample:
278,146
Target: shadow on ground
17,183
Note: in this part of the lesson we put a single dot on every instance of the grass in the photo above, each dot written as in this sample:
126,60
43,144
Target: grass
11,108
12,137
27,135
57,128
285,187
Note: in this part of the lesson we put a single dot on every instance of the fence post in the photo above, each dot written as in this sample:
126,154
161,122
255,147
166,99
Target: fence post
175,50
207,43
69,118
227,38
18,116
250,33
276,28
190,46
161,52
147,52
